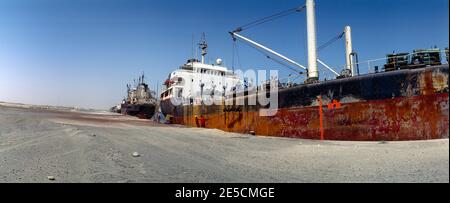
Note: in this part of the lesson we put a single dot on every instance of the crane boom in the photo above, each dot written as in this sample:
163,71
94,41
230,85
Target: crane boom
235,35
328,67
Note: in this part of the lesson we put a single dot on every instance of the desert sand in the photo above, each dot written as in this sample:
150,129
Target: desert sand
45,144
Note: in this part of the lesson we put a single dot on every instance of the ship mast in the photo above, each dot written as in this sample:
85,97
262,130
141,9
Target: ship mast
203,46
313,72
313,60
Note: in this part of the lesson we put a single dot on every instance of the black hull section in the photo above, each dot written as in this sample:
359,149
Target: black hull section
143,111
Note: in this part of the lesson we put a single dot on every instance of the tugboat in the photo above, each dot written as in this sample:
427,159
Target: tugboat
140,100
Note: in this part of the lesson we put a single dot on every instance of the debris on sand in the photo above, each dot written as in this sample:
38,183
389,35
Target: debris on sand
52,178
135,154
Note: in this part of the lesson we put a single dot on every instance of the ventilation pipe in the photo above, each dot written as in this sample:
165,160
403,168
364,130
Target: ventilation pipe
349,50
313,72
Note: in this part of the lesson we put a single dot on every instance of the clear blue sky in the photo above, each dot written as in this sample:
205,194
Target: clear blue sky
84,52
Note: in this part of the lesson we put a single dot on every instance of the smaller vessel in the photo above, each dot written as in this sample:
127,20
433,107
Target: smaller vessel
140,100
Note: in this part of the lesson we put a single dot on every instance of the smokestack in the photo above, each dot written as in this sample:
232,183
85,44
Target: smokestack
313,72
349,50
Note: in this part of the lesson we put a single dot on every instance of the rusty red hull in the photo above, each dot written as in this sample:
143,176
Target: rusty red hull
421,118
398,106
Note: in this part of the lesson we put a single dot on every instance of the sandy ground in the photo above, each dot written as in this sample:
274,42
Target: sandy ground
97,147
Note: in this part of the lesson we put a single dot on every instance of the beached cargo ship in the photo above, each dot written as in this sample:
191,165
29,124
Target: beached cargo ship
407,100
140,100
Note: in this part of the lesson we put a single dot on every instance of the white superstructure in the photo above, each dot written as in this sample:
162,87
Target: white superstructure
196,78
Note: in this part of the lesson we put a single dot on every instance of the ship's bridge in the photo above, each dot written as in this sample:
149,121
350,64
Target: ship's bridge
198,67
195,77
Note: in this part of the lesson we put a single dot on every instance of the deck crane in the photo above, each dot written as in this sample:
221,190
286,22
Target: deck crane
313,73
235,35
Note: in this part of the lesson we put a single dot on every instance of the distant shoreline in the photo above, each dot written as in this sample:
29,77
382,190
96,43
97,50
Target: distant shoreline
49,107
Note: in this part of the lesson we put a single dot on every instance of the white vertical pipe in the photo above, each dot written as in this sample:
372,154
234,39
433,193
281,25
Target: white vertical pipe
313,71
349,50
